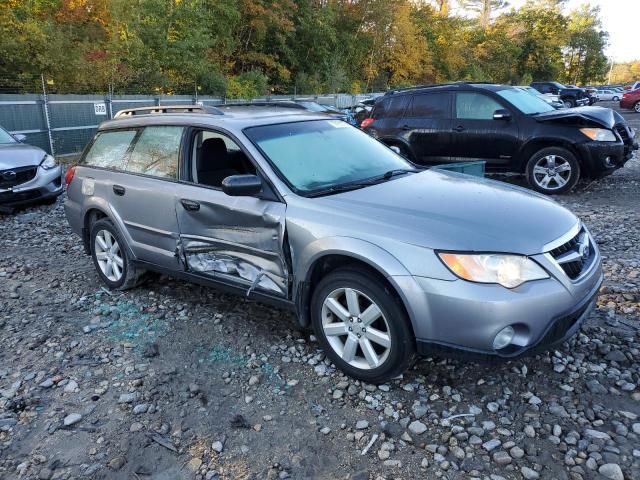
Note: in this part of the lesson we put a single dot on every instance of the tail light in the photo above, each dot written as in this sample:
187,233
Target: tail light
366,122
68,177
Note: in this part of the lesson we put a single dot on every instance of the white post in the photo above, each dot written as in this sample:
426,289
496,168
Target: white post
46,115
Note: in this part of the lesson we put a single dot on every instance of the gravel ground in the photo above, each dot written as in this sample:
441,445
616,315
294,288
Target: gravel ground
175,381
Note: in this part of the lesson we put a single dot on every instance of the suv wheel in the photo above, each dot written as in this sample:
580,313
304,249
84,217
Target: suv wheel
553,170
110,257
569,102
361,326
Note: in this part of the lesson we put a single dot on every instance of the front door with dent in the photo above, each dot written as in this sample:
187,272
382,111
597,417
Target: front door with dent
234,240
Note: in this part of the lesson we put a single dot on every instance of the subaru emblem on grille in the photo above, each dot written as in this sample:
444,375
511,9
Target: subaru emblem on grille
9,175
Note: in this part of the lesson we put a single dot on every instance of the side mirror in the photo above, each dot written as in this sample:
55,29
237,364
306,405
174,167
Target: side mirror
242,185
502,114
395,149
19,137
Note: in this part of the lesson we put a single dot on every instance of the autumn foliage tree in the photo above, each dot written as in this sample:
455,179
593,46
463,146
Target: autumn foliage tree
243,48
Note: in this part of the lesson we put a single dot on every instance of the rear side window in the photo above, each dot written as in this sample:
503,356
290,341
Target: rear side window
109,149
156,152
475,106
392,106
429,106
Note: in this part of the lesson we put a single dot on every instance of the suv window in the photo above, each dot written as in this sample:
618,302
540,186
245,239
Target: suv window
156,152
429,105
392,106
475,106
109,148
215,157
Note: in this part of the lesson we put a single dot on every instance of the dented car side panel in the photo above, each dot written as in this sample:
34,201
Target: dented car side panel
233,239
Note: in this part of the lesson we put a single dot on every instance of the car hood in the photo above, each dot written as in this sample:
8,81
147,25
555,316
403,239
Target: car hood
451,211
601,116
15,155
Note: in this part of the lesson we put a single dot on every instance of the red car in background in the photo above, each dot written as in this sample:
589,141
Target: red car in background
631,100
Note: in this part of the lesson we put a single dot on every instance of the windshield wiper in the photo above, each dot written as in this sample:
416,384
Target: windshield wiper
345,187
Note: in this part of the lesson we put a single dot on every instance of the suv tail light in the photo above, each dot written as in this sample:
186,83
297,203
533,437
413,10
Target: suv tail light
68,177
366,122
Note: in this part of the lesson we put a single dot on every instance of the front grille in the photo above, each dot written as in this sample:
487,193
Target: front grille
574,255
14,197
561,326
16,176
623,131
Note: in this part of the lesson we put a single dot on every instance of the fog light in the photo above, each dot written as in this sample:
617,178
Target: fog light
503,338
608,162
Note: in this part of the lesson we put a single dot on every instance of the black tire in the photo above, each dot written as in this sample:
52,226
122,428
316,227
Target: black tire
565,155
615,99
569,102
131,275
402,351
636,107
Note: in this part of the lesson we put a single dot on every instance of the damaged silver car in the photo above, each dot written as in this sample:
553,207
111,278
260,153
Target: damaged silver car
383,260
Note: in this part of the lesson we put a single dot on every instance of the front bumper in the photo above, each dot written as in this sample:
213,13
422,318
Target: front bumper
465,317
45,185
603,158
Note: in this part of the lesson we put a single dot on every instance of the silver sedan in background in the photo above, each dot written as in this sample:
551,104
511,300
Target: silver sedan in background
28,174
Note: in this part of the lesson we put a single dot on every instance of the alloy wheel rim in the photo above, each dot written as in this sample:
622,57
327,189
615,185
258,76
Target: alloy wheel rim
356,328
109,255
552,172
636,107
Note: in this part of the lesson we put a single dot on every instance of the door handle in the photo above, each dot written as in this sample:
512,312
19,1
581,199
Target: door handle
119,190
459,128
190,205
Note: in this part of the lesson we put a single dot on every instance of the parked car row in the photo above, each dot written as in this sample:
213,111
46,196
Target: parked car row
385,261
508,128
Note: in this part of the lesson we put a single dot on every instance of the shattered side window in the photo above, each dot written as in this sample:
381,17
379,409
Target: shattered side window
156,152
109,148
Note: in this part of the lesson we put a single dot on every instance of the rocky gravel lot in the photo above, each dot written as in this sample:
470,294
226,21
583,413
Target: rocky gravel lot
176,381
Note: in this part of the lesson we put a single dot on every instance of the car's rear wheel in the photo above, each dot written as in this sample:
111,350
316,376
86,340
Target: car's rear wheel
636,107
110,257
553,170
615,99
362,326
569,102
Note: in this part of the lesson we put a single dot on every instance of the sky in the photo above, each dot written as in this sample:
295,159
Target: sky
619,18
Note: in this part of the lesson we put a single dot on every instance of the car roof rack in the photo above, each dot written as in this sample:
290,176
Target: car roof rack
159,109
435,85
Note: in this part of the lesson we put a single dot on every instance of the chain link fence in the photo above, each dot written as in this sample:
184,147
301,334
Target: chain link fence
63,123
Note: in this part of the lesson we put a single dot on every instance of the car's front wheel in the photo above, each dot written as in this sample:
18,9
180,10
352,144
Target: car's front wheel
110,257
636,107
553,170
362,326
569,103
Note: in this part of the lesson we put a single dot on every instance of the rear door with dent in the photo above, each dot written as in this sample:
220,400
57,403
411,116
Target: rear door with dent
238,241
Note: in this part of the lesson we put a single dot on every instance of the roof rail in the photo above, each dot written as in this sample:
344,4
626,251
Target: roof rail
131,112
433,85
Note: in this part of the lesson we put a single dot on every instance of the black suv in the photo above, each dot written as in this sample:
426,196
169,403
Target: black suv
513,131
569,95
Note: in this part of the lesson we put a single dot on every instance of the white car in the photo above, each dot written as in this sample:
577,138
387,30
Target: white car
610,95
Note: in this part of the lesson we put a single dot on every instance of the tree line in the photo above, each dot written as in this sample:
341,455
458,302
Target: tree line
246,48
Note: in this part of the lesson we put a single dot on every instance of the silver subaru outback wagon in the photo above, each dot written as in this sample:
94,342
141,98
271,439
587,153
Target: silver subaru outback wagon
383,260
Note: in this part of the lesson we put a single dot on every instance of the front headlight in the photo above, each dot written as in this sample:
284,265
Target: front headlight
599,134
48,162
509,271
